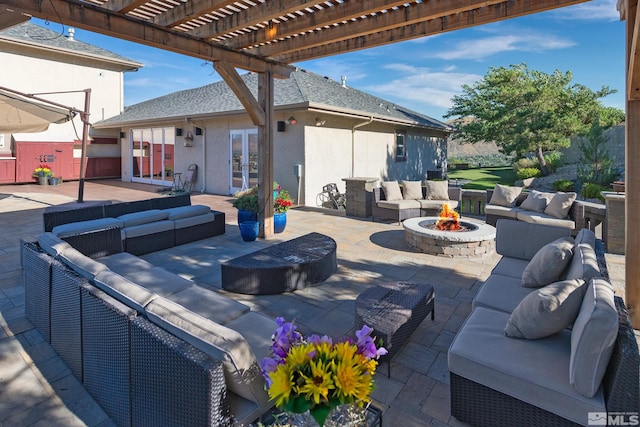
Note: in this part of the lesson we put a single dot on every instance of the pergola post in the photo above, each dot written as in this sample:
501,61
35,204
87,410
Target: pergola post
265,154
632,170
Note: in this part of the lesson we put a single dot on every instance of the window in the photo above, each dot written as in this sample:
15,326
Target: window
401,146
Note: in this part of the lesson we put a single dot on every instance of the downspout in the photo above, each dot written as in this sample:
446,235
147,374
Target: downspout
353,142
204,159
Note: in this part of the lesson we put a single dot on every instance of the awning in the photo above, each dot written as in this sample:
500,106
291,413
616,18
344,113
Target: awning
22,114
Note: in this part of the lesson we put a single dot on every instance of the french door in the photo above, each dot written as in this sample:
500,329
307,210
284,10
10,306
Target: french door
243,171
153,155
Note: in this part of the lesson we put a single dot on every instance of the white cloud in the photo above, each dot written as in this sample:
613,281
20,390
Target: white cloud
596,10
488,46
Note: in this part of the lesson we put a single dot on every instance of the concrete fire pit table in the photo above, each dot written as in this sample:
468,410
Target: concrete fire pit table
476,240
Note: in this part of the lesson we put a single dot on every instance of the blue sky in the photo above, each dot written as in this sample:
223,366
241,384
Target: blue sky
424,74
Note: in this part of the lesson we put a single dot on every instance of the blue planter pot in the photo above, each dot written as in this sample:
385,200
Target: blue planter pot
279,221
249,230
244,216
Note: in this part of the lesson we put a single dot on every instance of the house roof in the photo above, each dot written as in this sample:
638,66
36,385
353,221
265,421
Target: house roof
44,38
303,89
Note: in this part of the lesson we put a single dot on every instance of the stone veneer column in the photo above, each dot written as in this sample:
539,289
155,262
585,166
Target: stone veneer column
615,222
359,194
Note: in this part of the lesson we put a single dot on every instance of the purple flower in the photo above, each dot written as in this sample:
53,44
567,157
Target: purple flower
315,339
366,346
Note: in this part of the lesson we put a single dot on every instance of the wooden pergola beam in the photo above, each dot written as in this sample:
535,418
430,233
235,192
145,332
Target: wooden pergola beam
185,12
11,18
96,19
633,73
491,13
232,78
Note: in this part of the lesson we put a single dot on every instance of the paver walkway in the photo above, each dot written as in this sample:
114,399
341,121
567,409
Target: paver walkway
36,388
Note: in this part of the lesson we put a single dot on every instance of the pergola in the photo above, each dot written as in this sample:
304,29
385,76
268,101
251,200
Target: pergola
266,36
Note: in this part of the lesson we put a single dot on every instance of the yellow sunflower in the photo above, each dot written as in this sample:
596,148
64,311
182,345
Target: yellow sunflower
319,383
282,384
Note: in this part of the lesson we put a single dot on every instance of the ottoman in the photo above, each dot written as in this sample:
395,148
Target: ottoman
394,310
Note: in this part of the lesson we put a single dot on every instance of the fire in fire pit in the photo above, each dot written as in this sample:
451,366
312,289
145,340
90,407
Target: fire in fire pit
448,219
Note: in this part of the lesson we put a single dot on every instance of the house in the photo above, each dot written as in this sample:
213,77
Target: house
43,61
326,131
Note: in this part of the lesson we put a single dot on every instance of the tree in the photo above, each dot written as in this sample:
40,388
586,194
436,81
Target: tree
596,165
525,110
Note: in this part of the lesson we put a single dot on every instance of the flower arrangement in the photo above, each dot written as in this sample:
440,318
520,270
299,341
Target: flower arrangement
315,374
282,202
247,200
42,170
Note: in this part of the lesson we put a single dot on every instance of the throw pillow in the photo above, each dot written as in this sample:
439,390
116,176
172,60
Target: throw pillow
437,190
506,196
548,263
546,311
412,190
593,337
560,204
391,190
536,201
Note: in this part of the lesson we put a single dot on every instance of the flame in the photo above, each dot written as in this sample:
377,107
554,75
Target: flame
448,219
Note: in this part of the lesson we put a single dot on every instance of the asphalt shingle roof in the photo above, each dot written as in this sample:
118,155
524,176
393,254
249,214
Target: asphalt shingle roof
32,33
301,88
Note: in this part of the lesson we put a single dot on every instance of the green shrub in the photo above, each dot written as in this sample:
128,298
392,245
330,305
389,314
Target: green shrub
525,163
554,160
525,173
563,185
592,191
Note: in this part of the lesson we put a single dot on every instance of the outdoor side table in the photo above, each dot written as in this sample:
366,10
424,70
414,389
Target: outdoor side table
394,310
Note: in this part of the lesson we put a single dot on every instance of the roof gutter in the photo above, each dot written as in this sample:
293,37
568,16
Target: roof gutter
353,142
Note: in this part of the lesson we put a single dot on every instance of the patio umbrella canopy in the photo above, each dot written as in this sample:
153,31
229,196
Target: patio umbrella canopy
20,114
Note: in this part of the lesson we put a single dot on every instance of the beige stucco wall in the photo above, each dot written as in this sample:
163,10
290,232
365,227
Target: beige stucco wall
36,75
325,152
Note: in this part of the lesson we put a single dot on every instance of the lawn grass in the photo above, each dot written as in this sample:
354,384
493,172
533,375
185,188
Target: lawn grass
484,178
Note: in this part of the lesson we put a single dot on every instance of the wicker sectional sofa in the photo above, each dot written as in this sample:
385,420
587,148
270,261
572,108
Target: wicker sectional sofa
151,347
514,361
404,206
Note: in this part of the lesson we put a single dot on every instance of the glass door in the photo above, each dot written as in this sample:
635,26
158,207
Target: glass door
152,155
244,159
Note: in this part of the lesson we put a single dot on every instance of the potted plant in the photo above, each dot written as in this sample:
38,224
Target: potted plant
281,205
246,201
42,173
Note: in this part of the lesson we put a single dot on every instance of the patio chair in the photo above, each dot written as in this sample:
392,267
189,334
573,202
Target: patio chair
186,183
331,197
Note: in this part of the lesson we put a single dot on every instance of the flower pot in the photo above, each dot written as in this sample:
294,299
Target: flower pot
55,180
279,222
244,216
43,180
249,230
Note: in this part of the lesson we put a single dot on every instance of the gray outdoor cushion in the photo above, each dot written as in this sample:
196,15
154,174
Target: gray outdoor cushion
544,219
194,220
500,293
548,263
124,262
536,201
391,190
504,195
159,281
52,244
257,329
182,212
242,373
124,290
437,204
209,304
592,338
146,229
80,263
511,237
74,228
412,190
143,217
501,211
437,190
584,264
586,236
399,204
547,310
534,371
560,204
510,267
